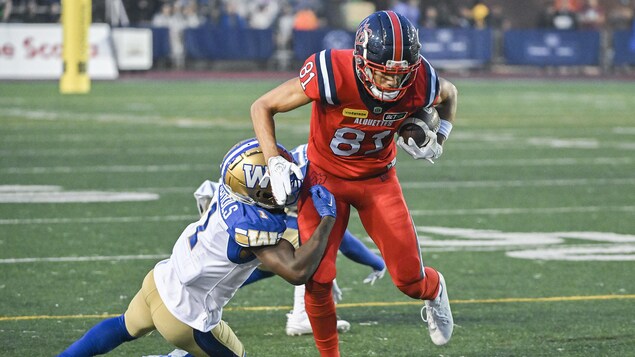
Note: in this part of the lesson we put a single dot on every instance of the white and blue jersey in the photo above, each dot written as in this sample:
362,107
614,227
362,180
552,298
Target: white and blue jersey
209,261
300,157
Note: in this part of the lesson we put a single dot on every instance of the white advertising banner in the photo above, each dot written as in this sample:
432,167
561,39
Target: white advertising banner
133,48
34,51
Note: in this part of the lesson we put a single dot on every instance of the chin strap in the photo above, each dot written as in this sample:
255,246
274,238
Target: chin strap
381,95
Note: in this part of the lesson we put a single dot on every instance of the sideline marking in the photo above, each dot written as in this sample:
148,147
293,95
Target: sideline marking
351,305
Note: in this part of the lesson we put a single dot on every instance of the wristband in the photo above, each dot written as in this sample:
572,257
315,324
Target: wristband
445,128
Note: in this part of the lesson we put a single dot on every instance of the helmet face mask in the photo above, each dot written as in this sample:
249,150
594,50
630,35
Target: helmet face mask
243,172
388,43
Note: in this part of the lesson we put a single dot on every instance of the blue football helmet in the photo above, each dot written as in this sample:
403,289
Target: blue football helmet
387,42
243,172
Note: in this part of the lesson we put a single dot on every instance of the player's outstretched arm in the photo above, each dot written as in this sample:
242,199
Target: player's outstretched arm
297,265
283,98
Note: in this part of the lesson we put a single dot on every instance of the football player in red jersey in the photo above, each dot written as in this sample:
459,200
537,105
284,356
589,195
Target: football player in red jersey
359,98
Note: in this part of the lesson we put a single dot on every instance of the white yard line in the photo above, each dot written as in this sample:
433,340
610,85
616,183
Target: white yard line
500,211
58,152
107,169
449,184
128,118
130,219
436,212
540,162
84,259
188,167
76,196
518,183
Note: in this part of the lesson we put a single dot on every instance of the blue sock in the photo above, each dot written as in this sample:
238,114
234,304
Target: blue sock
100,339
355,250
257,275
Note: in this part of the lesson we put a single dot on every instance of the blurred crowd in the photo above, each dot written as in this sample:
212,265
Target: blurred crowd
336,14
285,16
585,15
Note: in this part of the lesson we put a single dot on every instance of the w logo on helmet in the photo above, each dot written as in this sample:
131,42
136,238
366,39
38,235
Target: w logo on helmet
244,173
255,176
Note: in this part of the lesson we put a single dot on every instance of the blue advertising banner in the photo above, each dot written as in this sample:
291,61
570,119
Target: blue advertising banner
551,48
160,43
219,43
461,45
624,47
306,43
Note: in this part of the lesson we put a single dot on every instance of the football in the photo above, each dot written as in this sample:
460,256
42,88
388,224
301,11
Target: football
413,127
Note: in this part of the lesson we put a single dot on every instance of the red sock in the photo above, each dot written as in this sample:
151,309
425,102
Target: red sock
431,284
320,307
425,289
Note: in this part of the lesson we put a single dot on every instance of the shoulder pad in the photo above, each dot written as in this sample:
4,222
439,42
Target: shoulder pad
258,227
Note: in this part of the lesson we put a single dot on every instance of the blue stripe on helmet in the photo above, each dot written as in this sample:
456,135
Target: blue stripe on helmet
235,152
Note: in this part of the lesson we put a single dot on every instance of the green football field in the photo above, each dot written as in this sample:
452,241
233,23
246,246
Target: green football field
529,213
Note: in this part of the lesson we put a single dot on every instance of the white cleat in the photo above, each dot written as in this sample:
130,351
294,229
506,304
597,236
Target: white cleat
298,324
439,316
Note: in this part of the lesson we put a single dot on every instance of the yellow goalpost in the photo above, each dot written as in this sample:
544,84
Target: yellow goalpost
76,19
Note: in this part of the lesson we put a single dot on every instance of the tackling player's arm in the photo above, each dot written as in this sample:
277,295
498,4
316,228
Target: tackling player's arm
287,96
447,103
297,265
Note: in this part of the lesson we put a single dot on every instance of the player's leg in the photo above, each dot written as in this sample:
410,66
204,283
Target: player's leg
319,302
221,341
355,250
385,216
110,333
100,339
138,316
298,320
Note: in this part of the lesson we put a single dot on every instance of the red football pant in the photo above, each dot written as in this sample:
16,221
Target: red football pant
384,214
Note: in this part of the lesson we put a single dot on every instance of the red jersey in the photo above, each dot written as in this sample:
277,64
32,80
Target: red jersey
352,134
